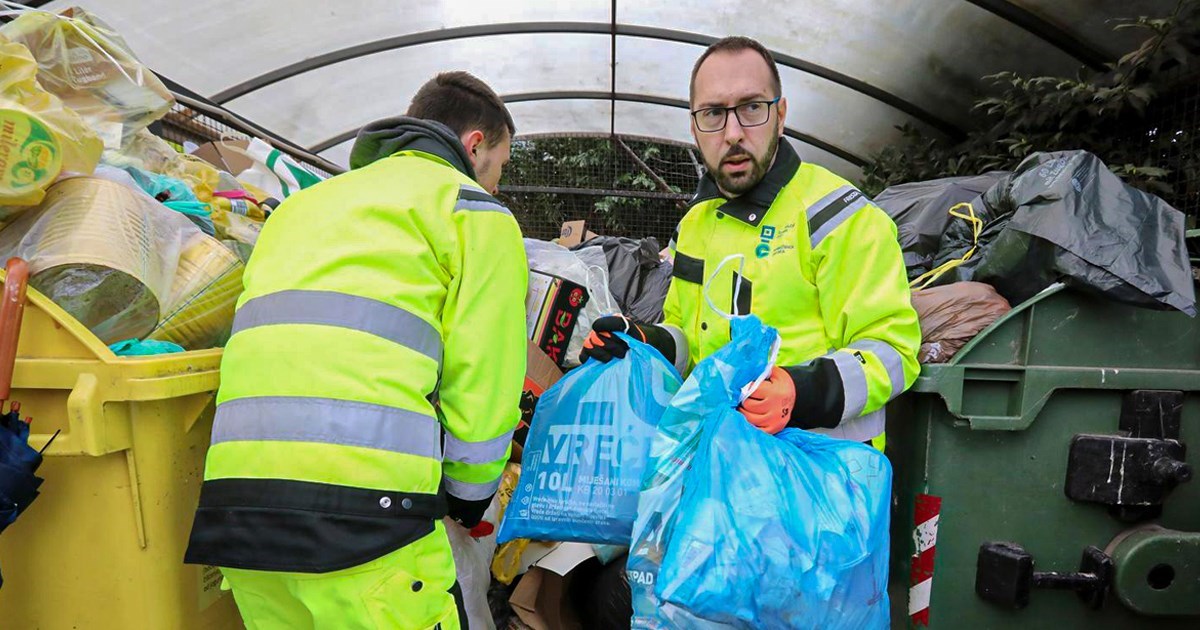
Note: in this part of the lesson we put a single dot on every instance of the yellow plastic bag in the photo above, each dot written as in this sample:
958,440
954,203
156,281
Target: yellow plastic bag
507,561
199,311
89,66
231,226
148,152
256,192
104,252
243,206
204,178
39,138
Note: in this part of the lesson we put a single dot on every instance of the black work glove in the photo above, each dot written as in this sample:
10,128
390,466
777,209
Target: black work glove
467,513
605,346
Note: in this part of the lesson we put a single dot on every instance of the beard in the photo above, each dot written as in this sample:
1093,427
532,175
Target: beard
738,183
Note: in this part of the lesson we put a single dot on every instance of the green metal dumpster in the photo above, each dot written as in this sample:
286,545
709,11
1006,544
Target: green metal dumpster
1042,477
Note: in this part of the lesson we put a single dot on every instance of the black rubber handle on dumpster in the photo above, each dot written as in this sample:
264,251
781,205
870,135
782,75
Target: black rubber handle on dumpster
16,280
1004,575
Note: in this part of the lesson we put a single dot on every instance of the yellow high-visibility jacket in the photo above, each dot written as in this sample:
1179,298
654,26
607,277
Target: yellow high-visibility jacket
373,378
822,265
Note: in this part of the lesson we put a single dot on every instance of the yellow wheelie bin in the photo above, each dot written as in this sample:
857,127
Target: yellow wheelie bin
102,547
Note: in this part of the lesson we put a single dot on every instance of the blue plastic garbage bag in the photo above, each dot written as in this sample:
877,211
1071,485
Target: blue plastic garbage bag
808,519
587,448
607,553
741,529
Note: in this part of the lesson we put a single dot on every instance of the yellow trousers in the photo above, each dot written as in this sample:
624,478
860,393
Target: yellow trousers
412,588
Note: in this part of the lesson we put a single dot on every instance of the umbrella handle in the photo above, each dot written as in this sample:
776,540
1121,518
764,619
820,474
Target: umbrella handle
12,307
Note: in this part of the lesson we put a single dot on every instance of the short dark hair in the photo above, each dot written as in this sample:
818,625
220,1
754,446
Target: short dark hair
462,102
736,43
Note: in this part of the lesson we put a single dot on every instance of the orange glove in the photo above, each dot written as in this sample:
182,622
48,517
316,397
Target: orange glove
770,406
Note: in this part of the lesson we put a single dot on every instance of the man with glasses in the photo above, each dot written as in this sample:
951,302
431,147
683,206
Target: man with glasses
821,263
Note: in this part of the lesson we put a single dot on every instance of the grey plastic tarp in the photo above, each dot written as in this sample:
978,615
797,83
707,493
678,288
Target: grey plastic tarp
1065,216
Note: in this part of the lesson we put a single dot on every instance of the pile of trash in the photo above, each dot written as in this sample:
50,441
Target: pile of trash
535,580
621,471
976,246
142,243
575,539
582,543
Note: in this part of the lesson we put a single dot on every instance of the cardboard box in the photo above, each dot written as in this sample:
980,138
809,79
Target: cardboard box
574,233
223,157
552,308
540,600
540,374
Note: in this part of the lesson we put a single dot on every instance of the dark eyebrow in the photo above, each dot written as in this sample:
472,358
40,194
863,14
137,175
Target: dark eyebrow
757,96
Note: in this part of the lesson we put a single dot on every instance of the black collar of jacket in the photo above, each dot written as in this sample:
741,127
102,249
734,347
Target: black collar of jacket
752,206
387,137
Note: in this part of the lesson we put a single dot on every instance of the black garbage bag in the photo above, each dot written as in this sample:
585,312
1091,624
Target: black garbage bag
637,278
921,213
601,595
1064,216
648,305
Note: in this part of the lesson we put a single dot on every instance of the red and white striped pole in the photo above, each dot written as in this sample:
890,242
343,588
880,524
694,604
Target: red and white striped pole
925,520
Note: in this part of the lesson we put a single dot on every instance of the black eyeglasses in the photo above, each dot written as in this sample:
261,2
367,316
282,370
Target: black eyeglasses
752,114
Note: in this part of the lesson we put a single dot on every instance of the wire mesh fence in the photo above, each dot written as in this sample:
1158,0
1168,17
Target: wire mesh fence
1172,140
621,186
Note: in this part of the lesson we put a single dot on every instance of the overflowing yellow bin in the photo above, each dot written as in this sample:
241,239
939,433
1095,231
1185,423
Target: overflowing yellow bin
102,547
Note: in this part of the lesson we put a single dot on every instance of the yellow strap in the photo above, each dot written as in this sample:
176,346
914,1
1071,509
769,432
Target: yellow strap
879,442
976,229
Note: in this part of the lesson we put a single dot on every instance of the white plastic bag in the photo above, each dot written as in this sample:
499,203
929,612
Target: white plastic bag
272,171
556,260
473,567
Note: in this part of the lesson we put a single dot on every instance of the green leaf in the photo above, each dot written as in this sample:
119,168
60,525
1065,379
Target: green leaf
1152,171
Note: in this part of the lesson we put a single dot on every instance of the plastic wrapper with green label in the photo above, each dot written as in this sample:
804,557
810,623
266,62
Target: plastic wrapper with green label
272,171
39,137
103,252
89,66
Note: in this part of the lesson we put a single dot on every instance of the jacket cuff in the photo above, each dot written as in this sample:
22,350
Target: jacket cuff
820,398
670,342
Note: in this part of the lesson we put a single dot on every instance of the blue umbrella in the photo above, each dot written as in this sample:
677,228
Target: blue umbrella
18,462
